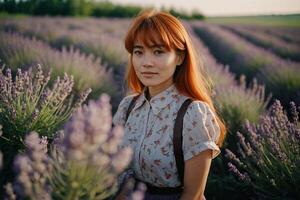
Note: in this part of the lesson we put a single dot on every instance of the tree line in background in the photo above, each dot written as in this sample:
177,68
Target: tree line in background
81,8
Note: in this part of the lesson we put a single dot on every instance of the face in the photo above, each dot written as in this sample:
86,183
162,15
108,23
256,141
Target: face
154,65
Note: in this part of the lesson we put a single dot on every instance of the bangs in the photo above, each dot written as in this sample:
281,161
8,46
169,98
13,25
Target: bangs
151,35
148,32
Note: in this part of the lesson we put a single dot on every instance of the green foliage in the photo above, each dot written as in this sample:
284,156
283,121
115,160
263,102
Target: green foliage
74,180
107,9
183,15
81,8
239,105
49,7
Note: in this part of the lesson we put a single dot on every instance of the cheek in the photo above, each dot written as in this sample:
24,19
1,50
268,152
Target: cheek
135,63
168,65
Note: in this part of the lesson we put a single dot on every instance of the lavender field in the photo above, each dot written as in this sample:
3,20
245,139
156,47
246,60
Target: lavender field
62,80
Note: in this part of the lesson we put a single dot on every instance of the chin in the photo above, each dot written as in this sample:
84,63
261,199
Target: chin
149,84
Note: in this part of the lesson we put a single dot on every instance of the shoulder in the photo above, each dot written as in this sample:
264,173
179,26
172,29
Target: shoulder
198,109
200,130
199,113
126,100
119,116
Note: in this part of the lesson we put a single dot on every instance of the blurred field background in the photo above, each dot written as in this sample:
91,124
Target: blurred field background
251,61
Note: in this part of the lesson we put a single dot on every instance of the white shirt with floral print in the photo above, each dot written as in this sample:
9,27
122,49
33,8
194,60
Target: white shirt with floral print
149,131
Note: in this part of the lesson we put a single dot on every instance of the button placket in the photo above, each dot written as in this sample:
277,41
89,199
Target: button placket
151,118
148,106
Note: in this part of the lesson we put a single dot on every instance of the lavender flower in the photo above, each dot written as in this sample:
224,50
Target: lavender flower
231,156
271,156
10,192
139,193
90,150
32,169
130,189
84,133
28,105
242,177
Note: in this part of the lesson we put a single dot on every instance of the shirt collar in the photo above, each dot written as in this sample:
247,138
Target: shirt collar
159,101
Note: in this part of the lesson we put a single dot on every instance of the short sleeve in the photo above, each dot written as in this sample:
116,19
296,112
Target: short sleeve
120,115
200,130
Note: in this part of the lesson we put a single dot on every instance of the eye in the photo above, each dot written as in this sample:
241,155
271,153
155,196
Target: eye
137,52
158,52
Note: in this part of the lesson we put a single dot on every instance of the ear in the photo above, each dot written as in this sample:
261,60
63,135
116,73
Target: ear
180,57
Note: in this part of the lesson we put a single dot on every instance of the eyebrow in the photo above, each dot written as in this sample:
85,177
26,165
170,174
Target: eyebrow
152,46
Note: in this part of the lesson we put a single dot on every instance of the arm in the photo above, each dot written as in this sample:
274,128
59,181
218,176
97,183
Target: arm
195,175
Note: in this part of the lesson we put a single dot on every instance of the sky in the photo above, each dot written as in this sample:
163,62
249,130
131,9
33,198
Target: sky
224,7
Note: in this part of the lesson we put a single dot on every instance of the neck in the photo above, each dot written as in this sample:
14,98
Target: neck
154,90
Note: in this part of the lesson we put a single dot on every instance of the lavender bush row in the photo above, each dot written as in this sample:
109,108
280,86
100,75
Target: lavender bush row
283,81
288,34
277,46
245,58
242,56
44,27
21,52
84,161
98,37
109,48
230,50
268,155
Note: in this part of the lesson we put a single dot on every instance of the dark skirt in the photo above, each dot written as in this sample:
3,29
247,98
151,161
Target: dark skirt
131,185
156,193
149,196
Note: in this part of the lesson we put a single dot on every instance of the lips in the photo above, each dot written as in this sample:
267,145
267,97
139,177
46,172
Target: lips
148,73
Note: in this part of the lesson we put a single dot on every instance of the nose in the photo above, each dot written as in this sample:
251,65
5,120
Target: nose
147,61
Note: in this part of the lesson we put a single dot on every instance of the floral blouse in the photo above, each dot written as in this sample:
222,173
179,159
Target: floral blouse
149,132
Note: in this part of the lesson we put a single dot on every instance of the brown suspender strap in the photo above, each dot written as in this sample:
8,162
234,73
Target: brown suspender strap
177,139
131,106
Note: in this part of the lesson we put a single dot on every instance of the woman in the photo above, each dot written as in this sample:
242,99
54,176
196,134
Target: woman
163,72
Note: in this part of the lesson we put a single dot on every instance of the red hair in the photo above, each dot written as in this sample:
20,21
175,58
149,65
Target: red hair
152,27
